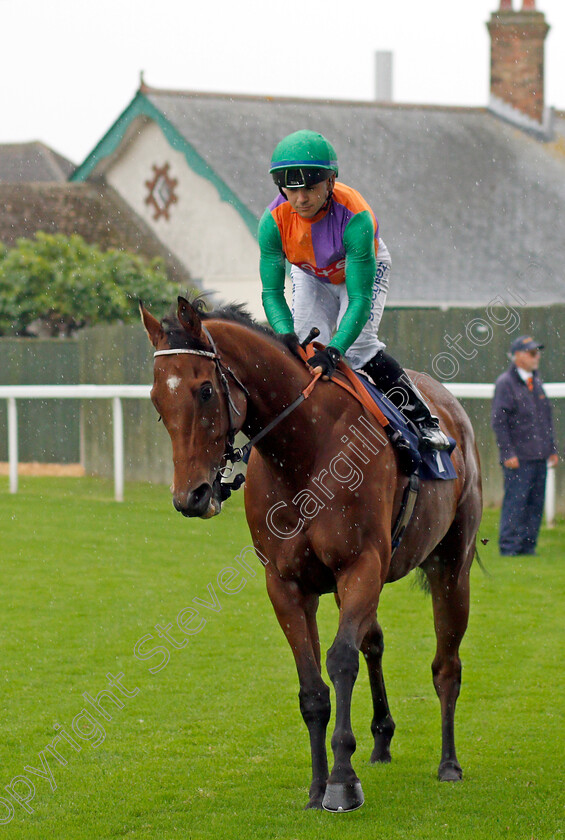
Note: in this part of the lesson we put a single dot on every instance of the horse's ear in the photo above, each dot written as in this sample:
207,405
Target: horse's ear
189,318
151,324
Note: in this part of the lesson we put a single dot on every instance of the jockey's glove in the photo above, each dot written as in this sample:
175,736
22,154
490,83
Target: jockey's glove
327,359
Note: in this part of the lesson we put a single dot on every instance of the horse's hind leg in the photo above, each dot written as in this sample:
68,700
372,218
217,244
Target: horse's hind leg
382,725
450,596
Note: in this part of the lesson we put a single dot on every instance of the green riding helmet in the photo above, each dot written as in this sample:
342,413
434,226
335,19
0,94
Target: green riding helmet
303,159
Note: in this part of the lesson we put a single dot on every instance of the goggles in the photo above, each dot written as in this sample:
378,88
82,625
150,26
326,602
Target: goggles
298,177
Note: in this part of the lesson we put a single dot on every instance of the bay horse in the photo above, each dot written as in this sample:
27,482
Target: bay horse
322,492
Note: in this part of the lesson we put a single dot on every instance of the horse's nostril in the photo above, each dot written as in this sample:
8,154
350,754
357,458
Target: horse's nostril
196,503
200,496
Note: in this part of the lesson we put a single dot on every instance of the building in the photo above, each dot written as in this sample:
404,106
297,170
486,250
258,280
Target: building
466,197
22,163
469,201
36,195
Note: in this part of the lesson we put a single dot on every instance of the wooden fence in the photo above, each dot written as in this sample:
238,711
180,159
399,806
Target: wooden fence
455,345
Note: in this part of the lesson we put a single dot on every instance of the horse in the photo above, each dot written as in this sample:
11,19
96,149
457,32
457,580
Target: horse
322,491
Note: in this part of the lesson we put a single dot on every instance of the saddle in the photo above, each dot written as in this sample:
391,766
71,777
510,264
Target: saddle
428,465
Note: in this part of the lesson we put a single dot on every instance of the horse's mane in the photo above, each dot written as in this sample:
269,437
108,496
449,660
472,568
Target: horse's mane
178,337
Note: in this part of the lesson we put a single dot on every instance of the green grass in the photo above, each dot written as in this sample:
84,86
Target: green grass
213,746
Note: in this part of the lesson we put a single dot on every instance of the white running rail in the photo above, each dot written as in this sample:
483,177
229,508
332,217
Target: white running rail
117,393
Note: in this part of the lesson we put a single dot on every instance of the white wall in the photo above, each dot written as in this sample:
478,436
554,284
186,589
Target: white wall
206,233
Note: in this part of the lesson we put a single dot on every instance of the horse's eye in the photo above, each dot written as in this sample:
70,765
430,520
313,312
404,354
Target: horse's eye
206,392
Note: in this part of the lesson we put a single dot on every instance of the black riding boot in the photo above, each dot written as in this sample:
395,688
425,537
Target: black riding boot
390,377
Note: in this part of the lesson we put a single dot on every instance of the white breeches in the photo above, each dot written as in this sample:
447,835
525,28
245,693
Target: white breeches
323,305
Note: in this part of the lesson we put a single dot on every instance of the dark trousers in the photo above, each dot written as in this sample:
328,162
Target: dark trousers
522,508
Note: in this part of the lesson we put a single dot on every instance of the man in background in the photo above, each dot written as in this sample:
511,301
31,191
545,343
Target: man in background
523,425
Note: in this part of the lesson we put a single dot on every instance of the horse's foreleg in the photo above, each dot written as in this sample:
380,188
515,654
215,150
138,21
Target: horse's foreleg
450,595
343,791
358,596
296,613
382,725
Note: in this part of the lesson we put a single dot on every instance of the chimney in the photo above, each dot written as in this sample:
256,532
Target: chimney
383,67
517,63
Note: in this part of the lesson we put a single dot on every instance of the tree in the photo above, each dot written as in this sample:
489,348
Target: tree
67,284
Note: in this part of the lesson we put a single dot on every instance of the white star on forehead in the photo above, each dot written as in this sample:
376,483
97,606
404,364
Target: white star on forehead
173,383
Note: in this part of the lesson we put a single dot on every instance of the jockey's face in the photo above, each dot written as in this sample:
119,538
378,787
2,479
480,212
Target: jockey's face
307,201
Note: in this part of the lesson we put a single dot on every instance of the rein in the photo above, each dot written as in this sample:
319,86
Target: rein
243,453
240,454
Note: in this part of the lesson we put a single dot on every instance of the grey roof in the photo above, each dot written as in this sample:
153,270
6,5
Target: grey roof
32,162
468,205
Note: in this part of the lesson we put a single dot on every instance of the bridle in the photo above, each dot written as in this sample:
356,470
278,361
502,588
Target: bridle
223,372
232,454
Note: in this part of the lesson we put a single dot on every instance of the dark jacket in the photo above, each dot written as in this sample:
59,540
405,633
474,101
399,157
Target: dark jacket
522,419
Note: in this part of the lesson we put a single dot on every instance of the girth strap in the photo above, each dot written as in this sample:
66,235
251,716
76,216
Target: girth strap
409,498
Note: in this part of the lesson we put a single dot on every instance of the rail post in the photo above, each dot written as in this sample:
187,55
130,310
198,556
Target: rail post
13,443
118,423
550,498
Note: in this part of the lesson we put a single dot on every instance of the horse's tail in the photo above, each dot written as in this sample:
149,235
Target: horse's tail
482,566
420,579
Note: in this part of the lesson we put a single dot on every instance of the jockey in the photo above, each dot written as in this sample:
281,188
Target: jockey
339,269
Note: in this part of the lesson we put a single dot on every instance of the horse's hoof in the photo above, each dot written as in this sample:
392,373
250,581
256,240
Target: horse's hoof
450,772
341,797
314,805
316,794
380,757
381,752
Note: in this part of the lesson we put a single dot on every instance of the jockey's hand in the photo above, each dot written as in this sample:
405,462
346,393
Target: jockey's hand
324,361
291,342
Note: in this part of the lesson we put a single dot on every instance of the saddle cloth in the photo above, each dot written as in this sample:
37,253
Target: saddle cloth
434,465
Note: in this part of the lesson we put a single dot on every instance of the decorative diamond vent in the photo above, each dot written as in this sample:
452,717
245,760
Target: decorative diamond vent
161,191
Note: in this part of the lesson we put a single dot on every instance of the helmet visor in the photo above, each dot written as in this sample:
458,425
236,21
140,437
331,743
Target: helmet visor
304,176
